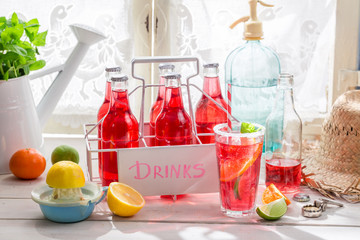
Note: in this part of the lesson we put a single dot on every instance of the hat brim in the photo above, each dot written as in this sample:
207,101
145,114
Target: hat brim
330,180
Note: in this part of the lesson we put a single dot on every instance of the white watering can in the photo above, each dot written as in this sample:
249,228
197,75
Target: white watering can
21,122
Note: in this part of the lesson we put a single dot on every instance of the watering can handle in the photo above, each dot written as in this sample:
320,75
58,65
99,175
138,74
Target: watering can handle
162,60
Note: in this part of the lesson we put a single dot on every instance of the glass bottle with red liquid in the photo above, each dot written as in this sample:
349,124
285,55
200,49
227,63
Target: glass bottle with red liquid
283,140
120,129
207,113
173,126
104,108
164,68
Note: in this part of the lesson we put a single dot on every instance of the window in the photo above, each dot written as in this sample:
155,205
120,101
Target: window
302,32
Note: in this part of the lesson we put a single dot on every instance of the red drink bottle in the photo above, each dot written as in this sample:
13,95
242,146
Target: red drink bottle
173,126
120,129
207,113
157,106
104,108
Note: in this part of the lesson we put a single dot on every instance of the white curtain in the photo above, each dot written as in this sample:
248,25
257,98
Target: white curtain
301,32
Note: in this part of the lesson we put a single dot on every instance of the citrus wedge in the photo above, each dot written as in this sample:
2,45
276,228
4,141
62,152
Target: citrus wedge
271,194
241,161
123,200
273,210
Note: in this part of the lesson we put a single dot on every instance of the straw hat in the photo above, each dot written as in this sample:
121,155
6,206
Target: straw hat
333,167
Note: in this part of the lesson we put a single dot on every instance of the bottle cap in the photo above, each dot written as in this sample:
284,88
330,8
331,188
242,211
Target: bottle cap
120,79
211,65
253,27
172,76
113,69
311,211
166,66
301,197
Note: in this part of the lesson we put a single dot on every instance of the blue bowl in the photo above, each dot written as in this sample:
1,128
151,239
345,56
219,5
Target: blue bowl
68,211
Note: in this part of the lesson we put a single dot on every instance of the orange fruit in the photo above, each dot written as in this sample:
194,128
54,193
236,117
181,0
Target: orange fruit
27,163
271,194
243,158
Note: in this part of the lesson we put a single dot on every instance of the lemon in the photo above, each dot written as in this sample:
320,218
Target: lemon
65,174
273,210
64,152
123,200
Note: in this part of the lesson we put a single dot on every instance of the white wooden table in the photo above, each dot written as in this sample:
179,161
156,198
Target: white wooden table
197,216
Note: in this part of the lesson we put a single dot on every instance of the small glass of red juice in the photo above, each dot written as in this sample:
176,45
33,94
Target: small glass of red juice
238,157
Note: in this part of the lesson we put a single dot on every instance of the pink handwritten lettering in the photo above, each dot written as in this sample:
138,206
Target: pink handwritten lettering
157,170
186,170
137,165
199,166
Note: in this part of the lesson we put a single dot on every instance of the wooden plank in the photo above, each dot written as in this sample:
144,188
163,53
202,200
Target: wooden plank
41,229
195,208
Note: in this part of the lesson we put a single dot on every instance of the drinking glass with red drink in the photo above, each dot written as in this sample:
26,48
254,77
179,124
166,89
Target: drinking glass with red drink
238,153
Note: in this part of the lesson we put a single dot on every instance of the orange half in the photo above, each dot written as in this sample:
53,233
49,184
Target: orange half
271,194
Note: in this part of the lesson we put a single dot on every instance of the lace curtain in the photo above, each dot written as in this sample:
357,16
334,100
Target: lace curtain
301,32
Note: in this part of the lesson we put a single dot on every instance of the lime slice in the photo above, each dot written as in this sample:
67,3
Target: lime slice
273,210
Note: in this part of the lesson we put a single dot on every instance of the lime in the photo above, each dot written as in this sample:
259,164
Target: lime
124,200
64,152
65,174
273,210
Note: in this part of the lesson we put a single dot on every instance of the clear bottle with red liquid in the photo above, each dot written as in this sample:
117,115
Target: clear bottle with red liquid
120,129
283,138
104,108
155,110
173,126
207,113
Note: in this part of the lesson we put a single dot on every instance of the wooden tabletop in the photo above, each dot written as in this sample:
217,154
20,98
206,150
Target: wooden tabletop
196,216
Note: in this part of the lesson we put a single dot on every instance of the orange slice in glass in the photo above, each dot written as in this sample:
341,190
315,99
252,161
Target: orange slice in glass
271,194
240,162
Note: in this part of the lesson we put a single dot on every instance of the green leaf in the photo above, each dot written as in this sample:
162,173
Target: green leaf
14,19
40,39
2,23
32,28
12,34
37,65
17,49
248,128
6,75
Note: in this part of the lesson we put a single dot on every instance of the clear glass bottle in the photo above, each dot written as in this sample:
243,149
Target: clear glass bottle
164,68
251,73
207,113
120,129
104,108
173,126
283,140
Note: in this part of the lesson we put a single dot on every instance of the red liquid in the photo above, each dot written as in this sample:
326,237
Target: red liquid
103,110
284,173
207,113
173,125
156,109
120,129
238,193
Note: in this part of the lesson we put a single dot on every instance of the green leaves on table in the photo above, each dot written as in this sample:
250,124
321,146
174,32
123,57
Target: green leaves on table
19,42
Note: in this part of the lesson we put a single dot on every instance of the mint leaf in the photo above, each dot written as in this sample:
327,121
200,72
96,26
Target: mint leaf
248,128
37,65
40,39
14,20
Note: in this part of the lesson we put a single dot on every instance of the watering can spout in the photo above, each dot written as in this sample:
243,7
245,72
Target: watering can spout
86,36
